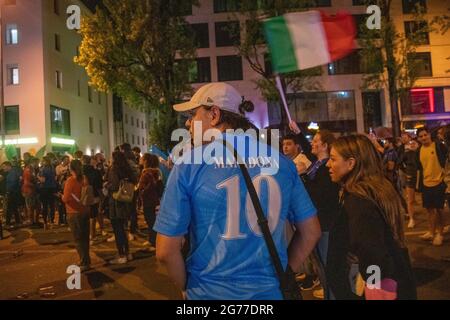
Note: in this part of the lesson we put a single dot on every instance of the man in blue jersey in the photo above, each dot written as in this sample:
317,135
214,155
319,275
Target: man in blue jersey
228,256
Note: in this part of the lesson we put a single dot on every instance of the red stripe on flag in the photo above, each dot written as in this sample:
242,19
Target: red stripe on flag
340,32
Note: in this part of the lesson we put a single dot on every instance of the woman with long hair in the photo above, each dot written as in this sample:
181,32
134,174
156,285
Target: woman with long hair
119,211
77,214
150,190
369,228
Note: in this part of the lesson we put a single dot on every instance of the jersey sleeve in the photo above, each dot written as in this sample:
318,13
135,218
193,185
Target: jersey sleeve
175,213
301,207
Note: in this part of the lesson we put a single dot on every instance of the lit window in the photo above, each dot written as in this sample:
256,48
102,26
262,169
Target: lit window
12,34
13,74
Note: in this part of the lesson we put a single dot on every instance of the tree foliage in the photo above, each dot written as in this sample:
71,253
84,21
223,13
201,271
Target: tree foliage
391,53
141,52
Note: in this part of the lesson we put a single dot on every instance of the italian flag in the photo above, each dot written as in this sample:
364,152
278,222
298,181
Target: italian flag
303,40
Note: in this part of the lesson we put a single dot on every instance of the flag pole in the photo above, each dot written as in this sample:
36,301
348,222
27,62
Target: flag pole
292,124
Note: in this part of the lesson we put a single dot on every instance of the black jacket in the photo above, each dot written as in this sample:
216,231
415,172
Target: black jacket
325,195
361,230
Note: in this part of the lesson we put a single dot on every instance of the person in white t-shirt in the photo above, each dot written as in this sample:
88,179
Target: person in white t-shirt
292,149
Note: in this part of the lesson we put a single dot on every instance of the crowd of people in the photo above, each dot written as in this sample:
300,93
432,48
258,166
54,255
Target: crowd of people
345,200
80,191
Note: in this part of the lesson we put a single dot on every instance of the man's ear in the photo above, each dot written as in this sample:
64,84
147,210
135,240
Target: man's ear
214,115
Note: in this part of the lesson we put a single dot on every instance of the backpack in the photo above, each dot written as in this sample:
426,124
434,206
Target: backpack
87,196
125,192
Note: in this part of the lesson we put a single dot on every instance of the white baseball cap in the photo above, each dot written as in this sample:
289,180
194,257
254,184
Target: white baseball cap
219,94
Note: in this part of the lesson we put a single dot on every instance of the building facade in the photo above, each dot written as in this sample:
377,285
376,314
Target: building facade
341,104
47,97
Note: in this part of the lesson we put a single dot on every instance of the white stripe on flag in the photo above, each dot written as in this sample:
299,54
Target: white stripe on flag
308,38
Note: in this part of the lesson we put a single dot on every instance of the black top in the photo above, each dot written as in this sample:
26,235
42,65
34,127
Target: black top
325,196
360,230
409,163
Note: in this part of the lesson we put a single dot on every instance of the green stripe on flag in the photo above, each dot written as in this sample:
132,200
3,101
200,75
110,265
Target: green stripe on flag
280,44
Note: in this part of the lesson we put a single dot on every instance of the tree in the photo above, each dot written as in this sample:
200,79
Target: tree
253,49
389,54
142,53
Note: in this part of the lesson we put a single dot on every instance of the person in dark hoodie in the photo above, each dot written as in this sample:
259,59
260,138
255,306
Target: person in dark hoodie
13,174
95,180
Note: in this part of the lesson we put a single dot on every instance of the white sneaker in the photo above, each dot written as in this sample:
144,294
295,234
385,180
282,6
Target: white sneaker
427,236
438,239
130,237
119,260
111,239
411,224
319,294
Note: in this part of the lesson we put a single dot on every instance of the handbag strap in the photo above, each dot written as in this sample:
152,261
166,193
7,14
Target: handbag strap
262,220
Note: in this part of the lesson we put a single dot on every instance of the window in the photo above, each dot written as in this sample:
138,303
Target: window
229,68
126,118
348,65
200,70
91,125
59,79
143,141
417,31
127,138
356,64
254,30
79,88
12,34
89,93
12,122
359,2
142,124
56,6
420,62
372,110
100,127
137,123
227,33
132,139
321,3
60,121
138,140
132,121
201,34
99,96
57,42
226,5
419,101
13,74
410,6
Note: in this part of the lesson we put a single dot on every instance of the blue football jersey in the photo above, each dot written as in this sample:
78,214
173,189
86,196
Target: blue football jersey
229,258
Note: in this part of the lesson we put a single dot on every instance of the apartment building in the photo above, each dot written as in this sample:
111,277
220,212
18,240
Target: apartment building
47,97
341,104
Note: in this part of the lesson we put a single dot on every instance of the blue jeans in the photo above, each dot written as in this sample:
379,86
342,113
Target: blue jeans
120,235
321,257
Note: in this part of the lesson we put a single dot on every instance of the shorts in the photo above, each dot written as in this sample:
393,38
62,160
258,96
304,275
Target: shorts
410,181
93,213
434,197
